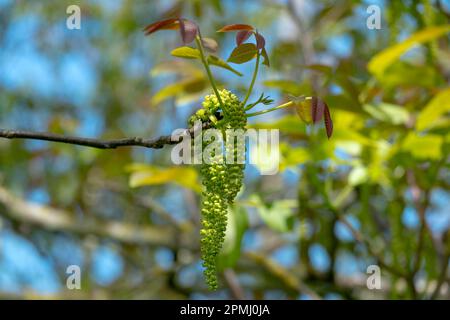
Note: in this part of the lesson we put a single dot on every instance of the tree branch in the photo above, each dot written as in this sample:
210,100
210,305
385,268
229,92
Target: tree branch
155,143
53,219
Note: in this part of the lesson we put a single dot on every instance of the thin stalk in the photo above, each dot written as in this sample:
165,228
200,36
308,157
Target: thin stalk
208,70
284,105
255,73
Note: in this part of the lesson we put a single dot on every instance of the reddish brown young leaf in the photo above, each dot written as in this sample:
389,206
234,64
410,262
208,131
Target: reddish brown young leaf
169,24
260,41
328,122
317,109
242,36
236,27
188,30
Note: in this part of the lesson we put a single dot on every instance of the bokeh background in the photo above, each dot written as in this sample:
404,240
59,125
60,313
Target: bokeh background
376,193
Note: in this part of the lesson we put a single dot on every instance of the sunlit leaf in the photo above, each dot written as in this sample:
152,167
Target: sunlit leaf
216,61
423,147
437,107
167,92
292,157
288,124
402,73
304,110
286,86
388,113
186,52
191,53
378,64
278,216
148,175
178,89
236,27
243,53
358,175
181,67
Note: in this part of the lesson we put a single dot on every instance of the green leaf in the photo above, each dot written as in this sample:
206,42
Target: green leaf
182,67
167,92
304,110
378,64
264,54
243,53
438,106
186,52
278,216
423,147
343,102
178,89
148,175
389,113
288,124
287,86
216,61
358,175
236,227
291,156
191,53
319,67
402,73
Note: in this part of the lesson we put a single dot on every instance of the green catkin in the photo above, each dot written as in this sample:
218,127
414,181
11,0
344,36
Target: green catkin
222,181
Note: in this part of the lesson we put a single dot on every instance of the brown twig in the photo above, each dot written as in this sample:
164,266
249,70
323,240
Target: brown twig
233,283
442,277
155,143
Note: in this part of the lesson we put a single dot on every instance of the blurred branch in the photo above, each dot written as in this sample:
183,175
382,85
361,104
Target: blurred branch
421,201
282,274
155,143
359,237
442,10
59,220
234,285
144,202
420,208
442,277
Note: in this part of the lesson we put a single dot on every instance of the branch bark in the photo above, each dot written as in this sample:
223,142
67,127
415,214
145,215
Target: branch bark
154,143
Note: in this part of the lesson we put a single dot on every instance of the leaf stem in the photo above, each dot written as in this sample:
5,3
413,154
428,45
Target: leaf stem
255,73
208,70
284,105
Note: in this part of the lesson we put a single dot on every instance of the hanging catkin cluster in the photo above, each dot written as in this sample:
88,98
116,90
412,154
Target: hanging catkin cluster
222,180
